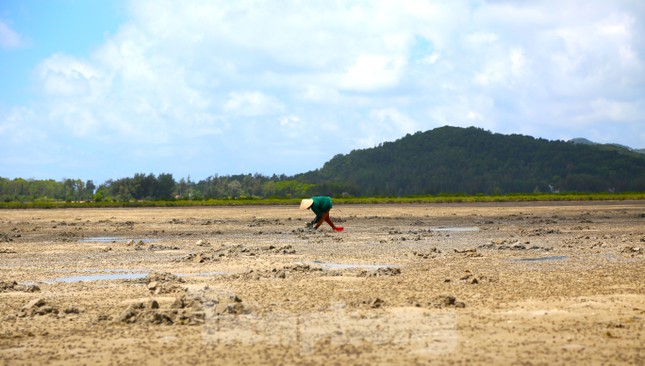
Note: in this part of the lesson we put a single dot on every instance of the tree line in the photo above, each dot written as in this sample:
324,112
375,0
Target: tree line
446,160
20,189
154,187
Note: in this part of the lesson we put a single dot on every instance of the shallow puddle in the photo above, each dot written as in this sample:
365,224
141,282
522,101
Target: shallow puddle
114,239
330,266
99,277
554,258
120,274
201,274
455,229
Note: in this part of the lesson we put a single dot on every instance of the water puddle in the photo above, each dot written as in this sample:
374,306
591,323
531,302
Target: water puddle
114,239
455,229
332,266
99,277
119,274
201,274
116,270
554,258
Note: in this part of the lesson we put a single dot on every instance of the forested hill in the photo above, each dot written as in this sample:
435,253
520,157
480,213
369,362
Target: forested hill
472,160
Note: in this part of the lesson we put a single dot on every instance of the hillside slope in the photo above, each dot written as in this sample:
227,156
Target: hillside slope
472,160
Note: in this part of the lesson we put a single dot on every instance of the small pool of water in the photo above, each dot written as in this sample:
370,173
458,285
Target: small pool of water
99,277
553,258
119,274
455,229
330,266
114,239
201,274
111,270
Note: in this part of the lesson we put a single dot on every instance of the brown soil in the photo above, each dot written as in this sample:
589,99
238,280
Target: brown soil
539,283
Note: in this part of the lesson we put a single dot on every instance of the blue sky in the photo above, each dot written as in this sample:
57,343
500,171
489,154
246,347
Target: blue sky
106,89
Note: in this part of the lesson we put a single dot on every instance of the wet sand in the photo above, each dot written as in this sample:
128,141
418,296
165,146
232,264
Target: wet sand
509,283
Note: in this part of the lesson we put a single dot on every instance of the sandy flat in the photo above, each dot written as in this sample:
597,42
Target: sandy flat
509,283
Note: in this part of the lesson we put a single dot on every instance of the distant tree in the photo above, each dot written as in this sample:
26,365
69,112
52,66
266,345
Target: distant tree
165,186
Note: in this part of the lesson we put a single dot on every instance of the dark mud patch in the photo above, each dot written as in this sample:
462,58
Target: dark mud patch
5,238
441,302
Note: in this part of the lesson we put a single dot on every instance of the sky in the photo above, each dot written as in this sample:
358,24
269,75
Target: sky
98,89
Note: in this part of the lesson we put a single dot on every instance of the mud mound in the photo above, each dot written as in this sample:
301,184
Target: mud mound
286,271
265,222
201,257
540,232
241,250
633,251
145,312
468,253
69,236
386,271
203,243
35,307
39,307
512,244
141,245
474,279
9,286
162,247
234,251
161,282
445,301
374,303
432,253
189,309
163,277
138,245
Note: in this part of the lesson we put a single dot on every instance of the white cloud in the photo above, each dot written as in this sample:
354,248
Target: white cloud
218,75
8,37
518,62
383,124
480,39
474,117
604,111
616,25
431,59
252,104
61,75
397,120
322,94
373,72
290,121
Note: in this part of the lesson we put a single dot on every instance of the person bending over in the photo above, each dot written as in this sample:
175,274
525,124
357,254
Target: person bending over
320,205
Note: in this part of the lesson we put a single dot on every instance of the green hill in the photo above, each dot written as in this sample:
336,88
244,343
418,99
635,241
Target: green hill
472,161
617,147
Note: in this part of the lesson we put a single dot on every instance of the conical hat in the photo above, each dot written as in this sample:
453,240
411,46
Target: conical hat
306,203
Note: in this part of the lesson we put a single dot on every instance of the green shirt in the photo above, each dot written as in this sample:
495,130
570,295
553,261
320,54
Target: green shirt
321,205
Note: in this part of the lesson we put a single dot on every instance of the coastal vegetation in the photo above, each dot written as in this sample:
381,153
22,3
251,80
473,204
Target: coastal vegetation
447,164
